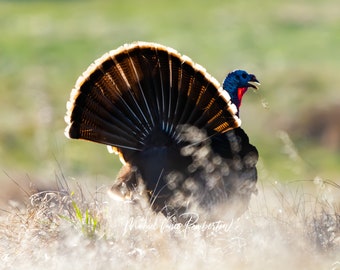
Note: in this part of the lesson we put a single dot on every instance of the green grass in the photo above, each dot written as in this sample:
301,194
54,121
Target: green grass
45,46
82,220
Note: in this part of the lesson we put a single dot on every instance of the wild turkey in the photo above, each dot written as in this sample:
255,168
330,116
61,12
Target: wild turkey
176,130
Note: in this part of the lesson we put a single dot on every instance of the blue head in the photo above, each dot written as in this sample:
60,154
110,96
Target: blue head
236,84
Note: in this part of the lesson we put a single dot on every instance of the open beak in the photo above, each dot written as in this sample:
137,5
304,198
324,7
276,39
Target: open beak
253,82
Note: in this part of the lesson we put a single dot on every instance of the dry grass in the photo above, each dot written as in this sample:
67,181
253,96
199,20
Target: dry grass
296,226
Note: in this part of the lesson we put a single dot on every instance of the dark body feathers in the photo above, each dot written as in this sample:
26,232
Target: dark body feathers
175,128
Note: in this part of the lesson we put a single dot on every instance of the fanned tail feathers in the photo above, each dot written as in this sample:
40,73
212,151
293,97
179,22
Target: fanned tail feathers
127,93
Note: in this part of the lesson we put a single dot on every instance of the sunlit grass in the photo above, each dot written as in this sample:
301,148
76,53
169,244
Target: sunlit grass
287,226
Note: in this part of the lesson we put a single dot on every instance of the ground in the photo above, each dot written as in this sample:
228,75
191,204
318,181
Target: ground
294,226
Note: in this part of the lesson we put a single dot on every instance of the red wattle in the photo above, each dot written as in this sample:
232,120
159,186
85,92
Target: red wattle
240,93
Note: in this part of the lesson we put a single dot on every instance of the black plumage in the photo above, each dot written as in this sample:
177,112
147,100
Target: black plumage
176,129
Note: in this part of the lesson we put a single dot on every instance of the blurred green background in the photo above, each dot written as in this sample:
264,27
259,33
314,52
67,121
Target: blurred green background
293,47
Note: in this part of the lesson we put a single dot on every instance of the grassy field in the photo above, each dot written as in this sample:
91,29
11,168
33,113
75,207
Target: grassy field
291,46
286,227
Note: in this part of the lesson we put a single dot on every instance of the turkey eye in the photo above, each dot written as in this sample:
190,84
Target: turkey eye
244,75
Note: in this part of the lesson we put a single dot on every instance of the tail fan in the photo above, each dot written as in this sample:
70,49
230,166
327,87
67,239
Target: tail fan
131,91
